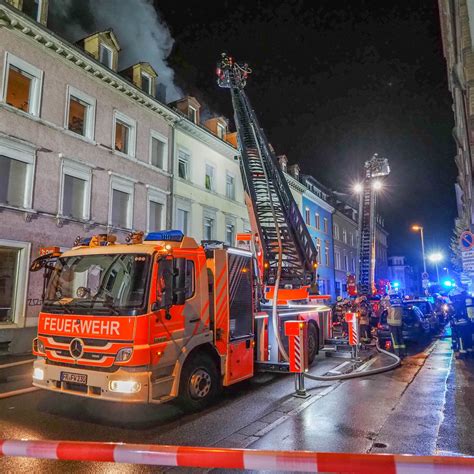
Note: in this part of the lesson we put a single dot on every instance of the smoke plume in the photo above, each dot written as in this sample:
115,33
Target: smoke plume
141,32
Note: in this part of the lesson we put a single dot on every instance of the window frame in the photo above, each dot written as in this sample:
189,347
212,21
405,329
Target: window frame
132,136
188,163
210,214
307,218
154,135
325,225
89,128
344,235
150,79
327,259
26,154
213,177
36,87
158,197
229,174
126,186
221,127
80,171
230,221
21,284
317,221
102,44
194,113
336,231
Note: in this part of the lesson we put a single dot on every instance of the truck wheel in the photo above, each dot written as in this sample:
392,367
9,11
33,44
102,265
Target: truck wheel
313,342
199,383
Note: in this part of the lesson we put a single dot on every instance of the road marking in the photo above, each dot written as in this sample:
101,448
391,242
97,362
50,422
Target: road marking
14,364
366,365
21,391
338,370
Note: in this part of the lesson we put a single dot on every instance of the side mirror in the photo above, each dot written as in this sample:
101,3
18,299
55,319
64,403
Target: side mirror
165,284
180,281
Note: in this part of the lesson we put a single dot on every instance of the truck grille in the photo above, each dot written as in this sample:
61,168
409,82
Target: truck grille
87,367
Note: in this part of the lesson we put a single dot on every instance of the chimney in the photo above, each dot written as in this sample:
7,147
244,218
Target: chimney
190,107
294,170
283,161
103,47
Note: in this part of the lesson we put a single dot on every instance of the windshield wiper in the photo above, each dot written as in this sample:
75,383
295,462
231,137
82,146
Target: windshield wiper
62,305
90,304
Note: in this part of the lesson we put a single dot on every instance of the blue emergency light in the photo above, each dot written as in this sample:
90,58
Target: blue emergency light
166,235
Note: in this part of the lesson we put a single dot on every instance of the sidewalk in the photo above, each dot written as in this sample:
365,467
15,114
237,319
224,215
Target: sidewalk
369,414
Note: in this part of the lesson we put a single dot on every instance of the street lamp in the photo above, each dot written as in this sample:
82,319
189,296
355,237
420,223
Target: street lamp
417,228
436,258
358,188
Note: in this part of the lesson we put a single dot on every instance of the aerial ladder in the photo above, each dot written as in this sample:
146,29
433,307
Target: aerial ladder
278,229
375,169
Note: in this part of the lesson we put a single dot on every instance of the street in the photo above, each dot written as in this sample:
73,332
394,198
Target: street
421,408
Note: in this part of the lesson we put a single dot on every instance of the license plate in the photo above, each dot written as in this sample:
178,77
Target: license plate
74,378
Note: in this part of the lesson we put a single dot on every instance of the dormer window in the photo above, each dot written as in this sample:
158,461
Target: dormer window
220,131
33,8
192,114
147,82
105,55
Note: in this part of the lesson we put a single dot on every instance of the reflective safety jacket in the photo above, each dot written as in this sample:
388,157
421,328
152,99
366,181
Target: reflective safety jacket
395,315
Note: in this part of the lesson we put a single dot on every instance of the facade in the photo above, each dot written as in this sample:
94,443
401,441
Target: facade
345,246
457,31
207,187
381,250
318,216
402,276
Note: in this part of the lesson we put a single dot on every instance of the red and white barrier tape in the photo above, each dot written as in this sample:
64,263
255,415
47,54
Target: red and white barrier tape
183,456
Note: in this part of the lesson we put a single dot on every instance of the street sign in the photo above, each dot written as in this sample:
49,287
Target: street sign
468,261
425,276
466,241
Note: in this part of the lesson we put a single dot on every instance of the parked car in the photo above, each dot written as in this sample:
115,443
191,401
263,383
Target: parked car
416,327
428,312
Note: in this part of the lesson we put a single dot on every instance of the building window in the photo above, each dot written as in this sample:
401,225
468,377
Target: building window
158,150
326,254
75,191
318,248
353,265
192,114
325,225
317,221
22,87
14,257
230,186
209,182
336,231
344,236
220,131
124,134
80,113
147,83
346,263
121,207
106,55
352,239
307,216
229,233
16,174
183,164
156,210
182,220
32,8
208,228
337,263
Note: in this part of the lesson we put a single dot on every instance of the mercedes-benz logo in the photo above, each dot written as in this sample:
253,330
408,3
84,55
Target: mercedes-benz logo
76,348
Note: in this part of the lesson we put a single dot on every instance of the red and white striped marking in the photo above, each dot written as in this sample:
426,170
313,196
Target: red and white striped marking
298,353
183,456
353,326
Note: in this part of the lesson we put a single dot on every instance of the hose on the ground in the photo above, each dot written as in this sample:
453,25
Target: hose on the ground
353,375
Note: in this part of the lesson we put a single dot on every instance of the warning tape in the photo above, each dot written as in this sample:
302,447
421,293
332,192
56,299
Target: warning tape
183,456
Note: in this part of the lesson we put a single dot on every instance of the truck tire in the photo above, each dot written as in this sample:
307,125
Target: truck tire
313,342
199,383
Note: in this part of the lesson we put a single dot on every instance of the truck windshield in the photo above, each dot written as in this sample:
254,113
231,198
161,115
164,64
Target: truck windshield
99,284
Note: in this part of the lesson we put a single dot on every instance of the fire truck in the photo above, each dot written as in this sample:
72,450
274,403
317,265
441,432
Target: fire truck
163,316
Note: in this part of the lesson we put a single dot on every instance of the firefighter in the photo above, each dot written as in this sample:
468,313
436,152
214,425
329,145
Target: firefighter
338,314
364,321
395,323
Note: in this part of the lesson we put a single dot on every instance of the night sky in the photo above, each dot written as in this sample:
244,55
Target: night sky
334,82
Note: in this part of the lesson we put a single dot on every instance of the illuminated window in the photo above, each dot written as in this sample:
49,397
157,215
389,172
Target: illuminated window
80,113
318,248
22,88
124,134
75,193
106,55
147,83
158,150
209,180
230,186
183,164
220,131
121,203
192,114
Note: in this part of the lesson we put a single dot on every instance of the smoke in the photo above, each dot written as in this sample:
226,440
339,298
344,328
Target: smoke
141,33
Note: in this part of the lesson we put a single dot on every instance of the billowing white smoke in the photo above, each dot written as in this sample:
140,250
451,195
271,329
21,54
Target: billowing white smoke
142,34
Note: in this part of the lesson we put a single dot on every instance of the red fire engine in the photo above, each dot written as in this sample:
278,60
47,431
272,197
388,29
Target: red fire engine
163,316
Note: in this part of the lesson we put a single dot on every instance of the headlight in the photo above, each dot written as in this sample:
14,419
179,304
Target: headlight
125,386
38,374
123,355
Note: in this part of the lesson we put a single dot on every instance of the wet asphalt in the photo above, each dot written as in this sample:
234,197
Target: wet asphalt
408,410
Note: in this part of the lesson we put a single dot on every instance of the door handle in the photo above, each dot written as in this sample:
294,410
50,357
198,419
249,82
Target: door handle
247,344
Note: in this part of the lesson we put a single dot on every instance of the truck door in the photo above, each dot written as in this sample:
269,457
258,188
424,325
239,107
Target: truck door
240,355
